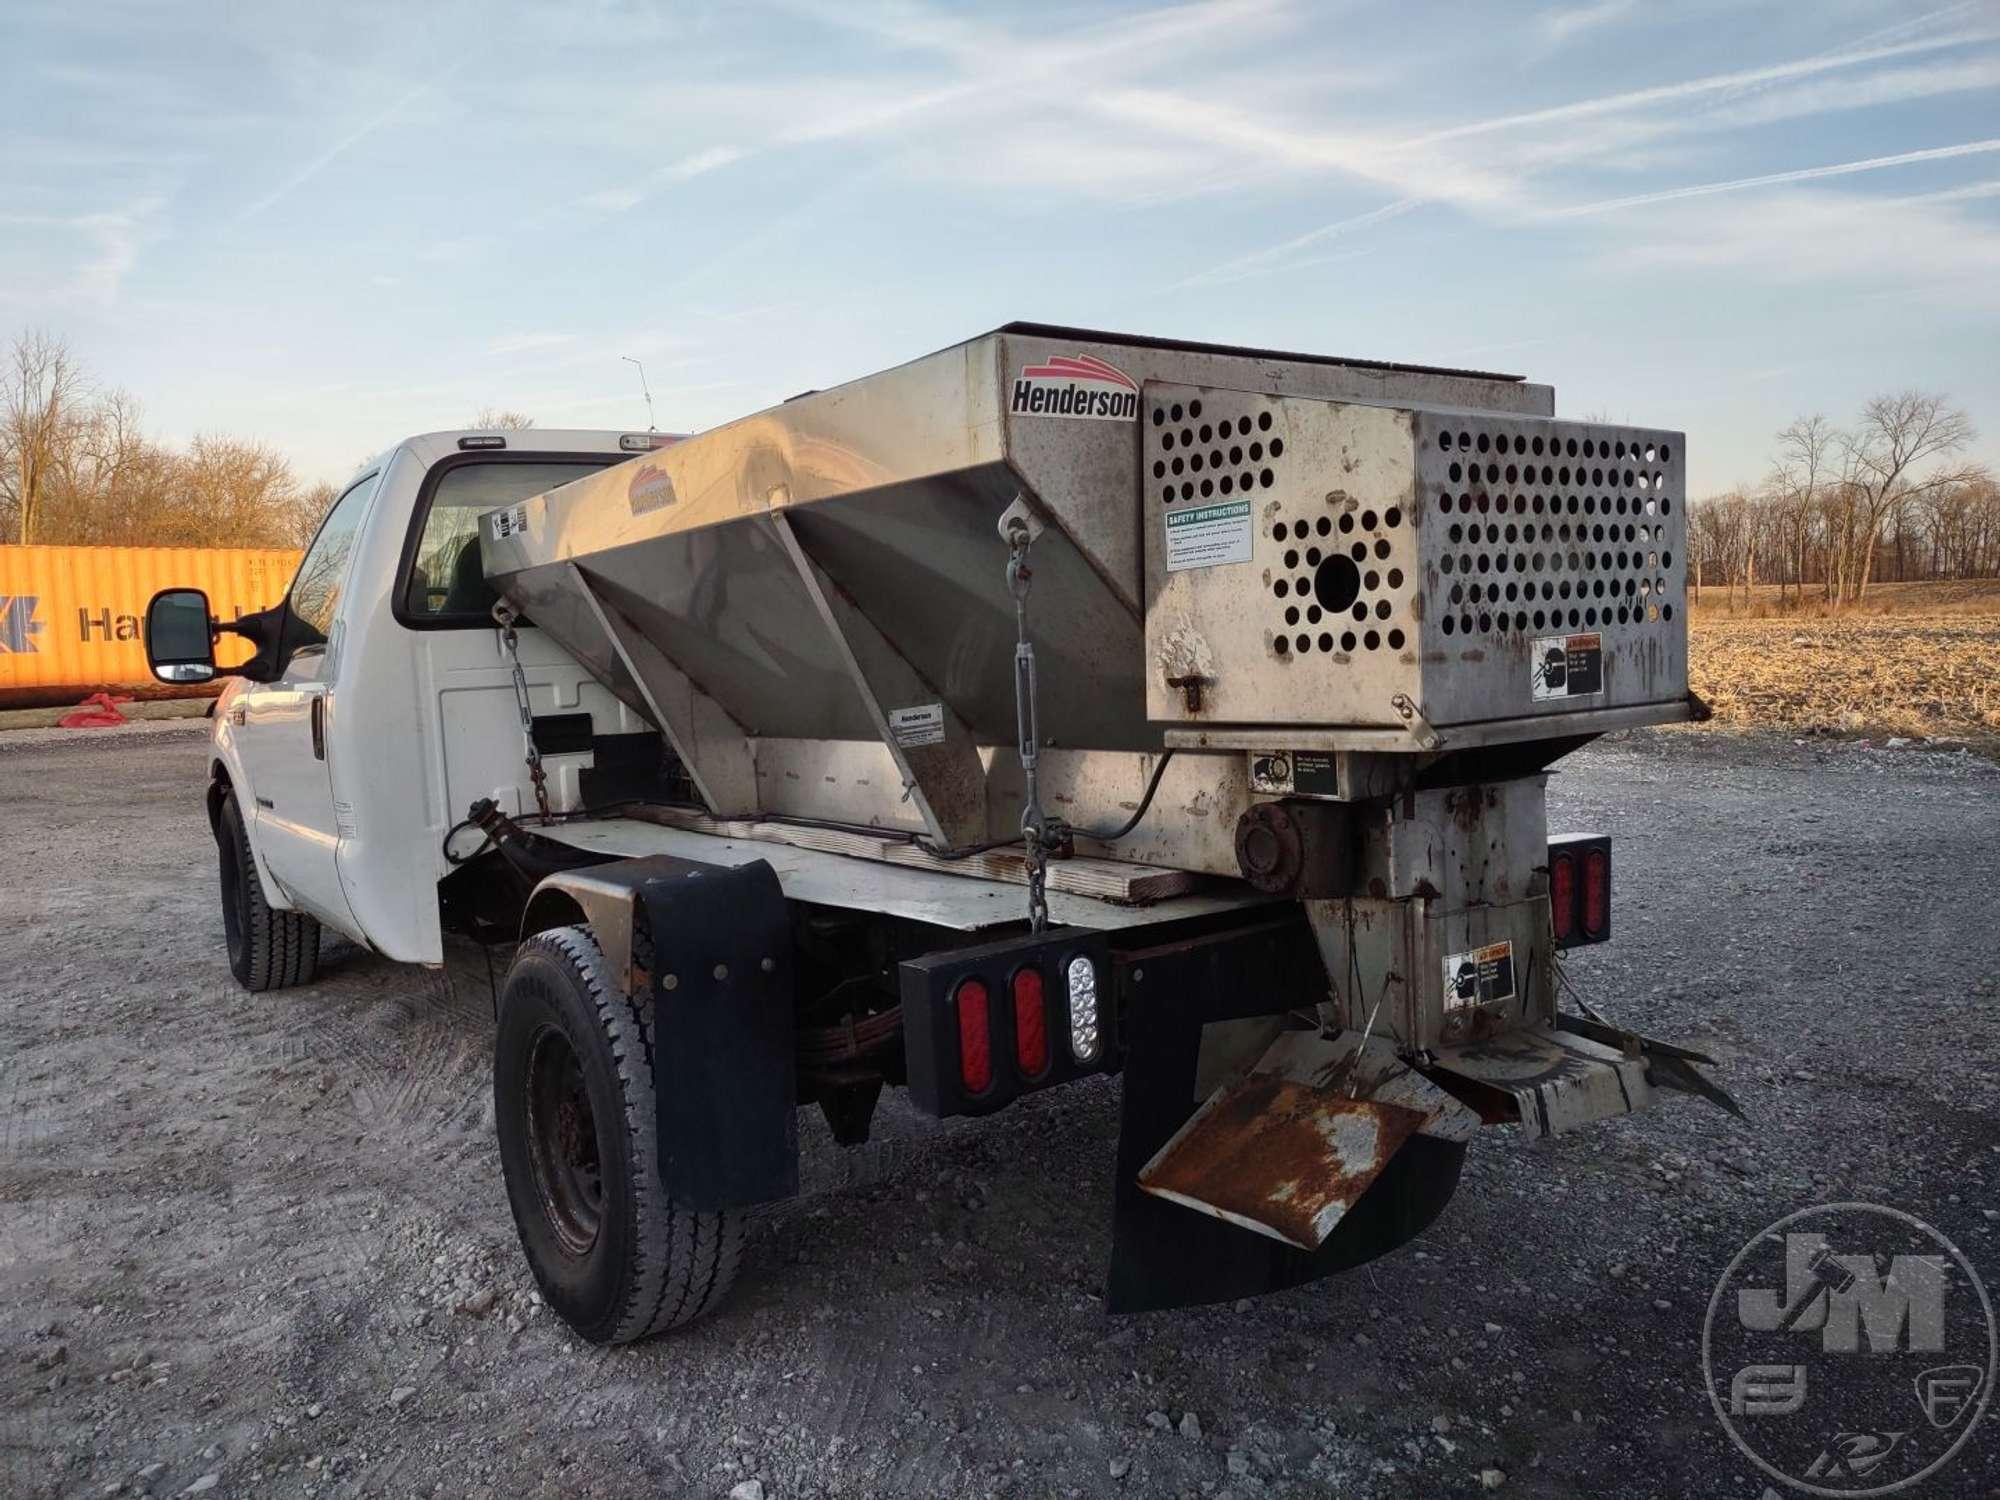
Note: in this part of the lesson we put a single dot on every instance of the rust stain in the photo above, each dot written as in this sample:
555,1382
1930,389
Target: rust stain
1466,807
1281,1153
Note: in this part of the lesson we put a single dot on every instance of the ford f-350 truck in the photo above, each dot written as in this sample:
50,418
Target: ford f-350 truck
1056,705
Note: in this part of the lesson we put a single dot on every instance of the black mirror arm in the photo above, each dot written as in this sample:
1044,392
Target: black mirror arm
263,629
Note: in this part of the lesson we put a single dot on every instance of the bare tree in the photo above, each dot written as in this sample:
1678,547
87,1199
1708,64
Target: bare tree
42,393
1805,462
495,419
299,521
1898,436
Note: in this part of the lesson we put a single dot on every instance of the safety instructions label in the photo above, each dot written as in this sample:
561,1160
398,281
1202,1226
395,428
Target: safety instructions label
1482,976
922,725
1207,536
1567,666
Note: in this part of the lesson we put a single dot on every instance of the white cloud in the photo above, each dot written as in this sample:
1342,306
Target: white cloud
1558,26
620,200
105,247
1929,250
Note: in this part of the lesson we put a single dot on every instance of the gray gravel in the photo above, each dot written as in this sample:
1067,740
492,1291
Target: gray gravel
260,1244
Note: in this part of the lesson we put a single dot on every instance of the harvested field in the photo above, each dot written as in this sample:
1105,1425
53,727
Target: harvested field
1917,661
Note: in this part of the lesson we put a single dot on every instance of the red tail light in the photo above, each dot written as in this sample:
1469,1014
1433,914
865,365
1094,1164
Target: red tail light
975,1041
1562,895
1031,1027
1596,892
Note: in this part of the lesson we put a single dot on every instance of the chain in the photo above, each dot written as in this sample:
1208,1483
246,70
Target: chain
1035,825
505,617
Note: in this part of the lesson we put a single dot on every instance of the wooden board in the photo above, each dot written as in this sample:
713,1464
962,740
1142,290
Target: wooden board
1106,879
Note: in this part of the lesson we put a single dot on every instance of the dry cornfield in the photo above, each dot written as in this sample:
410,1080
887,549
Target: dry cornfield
1923,661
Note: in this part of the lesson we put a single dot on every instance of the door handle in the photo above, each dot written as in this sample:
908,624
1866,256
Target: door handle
319,726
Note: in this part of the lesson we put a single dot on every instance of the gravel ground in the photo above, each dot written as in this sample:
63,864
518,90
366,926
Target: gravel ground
264,1238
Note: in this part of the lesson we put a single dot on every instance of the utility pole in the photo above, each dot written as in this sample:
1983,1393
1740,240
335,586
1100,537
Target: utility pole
651,424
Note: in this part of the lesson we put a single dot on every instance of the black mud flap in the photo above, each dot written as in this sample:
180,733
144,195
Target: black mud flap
1164,1254
723,1045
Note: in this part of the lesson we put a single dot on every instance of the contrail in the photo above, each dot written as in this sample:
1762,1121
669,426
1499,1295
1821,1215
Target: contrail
1688,88
1772,179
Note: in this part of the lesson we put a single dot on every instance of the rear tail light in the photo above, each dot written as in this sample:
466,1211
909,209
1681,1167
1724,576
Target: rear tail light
1562,895
1083,1038
1031,1024
975,1038
987,1024
1596,892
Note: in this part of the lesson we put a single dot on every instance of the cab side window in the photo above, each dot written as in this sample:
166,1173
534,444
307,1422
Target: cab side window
322,575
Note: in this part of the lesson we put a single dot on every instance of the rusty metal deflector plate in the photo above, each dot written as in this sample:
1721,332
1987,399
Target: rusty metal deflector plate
1279,1157
1364,1068
1559,1080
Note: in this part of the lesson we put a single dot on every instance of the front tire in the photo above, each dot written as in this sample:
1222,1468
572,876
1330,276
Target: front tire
574,1106
268,949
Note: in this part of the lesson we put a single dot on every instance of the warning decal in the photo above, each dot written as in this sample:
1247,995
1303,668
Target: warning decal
1483,976
1310,773
1206,536
511,521
922,725
1567,666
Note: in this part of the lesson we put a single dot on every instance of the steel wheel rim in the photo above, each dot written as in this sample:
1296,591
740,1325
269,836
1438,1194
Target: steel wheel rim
562,1142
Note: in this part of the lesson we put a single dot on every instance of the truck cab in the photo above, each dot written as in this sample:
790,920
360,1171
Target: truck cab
381,703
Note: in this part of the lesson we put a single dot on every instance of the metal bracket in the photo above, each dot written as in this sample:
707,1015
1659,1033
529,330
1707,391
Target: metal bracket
1021,516
1420,727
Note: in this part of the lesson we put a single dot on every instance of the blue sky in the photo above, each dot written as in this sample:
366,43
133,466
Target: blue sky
327,226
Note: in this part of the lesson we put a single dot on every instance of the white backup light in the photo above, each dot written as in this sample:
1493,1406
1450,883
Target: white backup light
1082,1009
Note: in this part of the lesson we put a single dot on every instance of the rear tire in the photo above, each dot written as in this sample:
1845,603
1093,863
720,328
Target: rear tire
268,949
574,1106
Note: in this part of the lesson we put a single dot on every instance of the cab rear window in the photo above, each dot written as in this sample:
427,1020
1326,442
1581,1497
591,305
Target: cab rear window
445,583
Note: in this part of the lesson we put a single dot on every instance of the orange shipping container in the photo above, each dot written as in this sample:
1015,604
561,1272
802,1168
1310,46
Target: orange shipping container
72,618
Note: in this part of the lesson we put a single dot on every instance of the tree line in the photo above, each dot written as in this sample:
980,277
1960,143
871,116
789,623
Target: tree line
1889,499
77,469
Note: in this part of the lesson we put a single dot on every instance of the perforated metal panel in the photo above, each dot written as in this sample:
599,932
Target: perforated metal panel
1481,567
1539,531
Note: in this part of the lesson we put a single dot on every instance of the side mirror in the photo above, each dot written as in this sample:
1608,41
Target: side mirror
180,640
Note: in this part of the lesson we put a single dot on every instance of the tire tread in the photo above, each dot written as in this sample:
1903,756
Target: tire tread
281,948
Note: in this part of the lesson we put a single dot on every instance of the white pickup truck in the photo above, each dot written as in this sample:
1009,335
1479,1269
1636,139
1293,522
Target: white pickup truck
744,740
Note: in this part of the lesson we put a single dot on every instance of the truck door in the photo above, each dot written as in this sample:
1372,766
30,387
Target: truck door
281,725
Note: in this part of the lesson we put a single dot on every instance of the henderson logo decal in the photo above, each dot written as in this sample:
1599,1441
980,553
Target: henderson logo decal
650,489
1076,385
